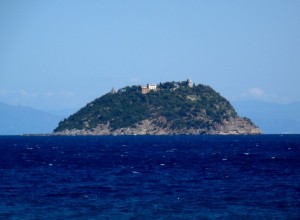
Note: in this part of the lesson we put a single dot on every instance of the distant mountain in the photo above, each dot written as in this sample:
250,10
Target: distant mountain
164,109
16,120
272,118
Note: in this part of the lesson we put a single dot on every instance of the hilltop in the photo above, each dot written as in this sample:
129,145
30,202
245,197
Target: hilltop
166,108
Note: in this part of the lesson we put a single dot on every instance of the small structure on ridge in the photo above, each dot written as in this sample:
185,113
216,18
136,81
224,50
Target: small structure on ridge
113,91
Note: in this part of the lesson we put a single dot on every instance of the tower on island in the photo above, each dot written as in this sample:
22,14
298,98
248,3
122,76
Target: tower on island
113,91
190,83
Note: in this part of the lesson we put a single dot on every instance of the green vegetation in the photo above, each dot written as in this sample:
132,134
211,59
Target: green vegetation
179,105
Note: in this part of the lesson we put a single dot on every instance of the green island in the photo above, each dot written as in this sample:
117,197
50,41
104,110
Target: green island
158,109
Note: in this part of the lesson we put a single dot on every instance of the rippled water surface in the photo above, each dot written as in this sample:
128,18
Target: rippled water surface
150,177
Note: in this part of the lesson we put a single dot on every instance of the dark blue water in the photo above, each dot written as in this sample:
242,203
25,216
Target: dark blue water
150,177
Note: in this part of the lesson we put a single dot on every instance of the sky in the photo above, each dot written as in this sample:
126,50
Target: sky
60,54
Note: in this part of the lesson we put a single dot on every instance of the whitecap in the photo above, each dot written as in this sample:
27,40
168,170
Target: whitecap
246,153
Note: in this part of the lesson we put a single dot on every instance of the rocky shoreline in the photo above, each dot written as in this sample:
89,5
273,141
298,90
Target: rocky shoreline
233,126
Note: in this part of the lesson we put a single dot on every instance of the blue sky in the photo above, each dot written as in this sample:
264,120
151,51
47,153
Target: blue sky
62,54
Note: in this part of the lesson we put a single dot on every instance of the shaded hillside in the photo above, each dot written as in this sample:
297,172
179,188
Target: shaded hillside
174,108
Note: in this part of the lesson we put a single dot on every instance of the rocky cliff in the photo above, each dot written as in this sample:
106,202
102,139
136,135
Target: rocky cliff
169,109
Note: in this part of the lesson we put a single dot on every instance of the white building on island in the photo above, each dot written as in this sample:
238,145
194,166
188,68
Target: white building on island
152,86
148,88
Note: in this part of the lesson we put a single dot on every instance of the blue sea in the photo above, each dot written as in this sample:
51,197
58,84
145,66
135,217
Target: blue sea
150,177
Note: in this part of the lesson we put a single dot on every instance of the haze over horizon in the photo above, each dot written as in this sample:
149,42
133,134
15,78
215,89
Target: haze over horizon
63,54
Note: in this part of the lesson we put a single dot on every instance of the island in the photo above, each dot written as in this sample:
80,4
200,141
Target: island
170,108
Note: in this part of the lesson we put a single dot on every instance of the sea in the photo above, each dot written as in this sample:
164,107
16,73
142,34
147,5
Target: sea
150,177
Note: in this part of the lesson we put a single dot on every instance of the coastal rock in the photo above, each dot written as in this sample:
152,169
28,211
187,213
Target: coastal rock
147,127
